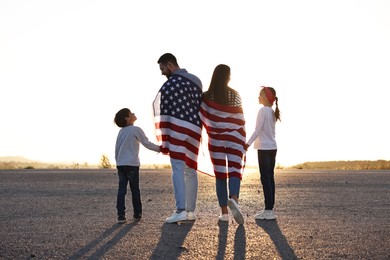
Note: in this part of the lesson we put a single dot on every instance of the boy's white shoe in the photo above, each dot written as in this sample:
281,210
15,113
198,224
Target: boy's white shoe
238,217
266,214
176,217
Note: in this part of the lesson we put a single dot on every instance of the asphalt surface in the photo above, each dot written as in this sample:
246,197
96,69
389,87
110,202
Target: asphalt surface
70,214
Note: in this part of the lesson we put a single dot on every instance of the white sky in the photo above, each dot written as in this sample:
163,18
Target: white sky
66,67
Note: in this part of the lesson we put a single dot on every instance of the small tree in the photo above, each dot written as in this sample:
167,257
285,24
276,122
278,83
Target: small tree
105,162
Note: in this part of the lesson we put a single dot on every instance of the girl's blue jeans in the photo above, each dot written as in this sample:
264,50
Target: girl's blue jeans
266,160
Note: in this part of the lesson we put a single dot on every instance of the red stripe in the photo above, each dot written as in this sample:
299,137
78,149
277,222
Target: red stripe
228,138
221,162
229,150
220,175
240,130
215,118
178,142
181,156
224,108
179,129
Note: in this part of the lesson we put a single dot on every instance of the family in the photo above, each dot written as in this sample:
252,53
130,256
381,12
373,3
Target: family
181,110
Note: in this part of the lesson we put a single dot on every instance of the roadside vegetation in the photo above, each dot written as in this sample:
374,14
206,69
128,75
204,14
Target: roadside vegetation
345,165
22,163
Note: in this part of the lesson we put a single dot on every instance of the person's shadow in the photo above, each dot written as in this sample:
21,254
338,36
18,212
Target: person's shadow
98,251
170,245
239,241
272,229
222,239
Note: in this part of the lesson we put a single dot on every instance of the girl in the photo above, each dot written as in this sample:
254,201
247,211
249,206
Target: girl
265,143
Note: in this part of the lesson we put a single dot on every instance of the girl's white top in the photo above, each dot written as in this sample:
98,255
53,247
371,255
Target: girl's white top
127,145
264,134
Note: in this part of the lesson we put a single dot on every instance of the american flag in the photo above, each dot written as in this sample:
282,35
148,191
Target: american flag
227,124
177,122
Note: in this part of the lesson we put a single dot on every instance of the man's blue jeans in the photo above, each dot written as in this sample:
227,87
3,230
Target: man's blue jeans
266,160
129,174
185,186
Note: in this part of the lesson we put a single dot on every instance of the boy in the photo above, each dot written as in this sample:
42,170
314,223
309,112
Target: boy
127,161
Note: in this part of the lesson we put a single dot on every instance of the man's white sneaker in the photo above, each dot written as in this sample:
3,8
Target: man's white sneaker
176,217
191,216
224,217
266,214
238,217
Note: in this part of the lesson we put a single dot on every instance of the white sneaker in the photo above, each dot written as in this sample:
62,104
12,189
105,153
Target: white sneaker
191,216
176,217
266,214
224,217
238,217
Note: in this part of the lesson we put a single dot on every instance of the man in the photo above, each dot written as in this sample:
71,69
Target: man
176,114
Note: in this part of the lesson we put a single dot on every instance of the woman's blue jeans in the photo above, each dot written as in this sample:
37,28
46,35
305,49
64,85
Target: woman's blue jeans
222,190
266,160
129,174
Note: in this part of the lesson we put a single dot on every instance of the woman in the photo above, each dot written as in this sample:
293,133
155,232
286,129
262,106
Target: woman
222,116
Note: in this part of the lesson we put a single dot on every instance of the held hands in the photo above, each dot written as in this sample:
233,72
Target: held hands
246,147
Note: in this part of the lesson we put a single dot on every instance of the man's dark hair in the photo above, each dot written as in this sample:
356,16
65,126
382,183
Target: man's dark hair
167,57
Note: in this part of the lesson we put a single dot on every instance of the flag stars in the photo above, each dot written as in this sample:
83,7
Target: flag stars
180,99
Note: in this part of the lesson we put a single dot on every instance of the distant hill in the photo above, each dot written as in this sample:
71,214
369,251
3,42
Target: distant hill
14,159
345,165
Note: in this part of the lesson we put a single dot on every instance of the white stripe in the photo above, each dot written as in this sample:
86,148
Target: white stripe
179,122
221,113
222,156
182,149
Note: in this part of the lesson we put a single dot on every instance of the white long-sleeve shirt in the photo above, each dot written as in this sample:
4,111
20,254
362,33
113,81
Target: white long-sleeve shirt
264,134
127,145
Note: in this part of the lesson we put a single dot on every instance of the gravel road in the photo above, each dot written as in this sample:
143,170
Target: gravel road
70,214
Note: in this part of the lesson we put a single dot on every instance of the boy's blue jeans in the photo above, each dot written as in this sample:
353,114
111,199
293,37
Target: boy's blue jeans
129,174
266,160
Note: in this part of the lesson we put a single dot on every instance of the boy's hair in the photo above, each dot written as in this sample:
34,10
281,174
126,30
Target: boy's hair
120,117
167,57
